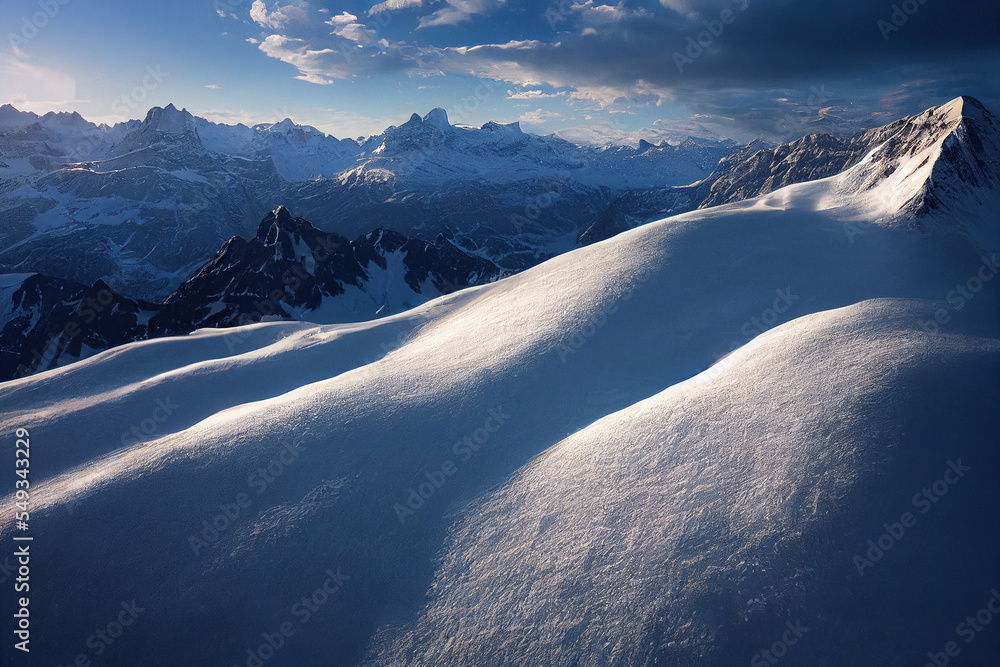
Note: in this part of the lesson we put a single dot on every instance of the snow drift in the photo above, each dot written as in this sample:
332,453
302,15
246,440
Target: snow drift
582,464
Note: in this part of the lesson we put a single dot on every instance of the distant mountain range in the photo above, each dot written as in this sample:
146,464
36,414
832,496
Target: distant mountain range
143,204
289,268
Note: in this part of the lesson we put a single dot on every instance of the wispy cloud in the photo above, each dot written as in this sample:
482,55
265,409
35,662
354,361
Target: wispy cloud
346,25
460,11
538,116
533,95
33,87
394,5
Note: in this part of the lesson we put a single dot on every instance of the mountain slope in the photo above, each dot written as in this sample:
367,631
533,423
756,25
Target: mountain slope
47,322
698,526
358,454
292,270
966,176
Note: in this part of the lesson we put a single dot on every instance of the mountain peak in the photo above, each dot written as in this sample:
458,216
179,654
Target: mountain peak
968,107
438,118
493,126
170,120
277,221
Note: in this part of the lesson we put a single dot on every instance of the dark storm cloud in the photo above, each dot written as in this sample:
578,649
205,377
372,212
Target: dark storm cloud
768,42
832,63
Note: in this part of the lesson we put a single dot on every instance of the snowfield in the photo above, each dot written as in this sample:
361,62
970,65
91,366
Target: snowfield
671,447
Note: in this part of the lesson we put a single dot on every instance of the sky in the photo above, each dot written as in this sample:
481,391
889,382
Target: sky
741,69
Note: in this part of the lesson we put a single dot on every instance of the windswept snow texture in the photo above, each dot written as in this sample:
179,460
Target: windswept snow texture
691,527
597,461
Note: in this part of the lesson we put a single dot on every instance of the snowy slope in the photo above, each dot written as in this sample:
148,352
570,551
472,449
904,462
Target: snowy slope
145,443
693,526
964,132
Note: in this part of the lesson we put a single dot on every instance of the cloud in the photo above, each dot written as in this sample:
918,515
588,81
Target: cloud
533,95
346,25
35,87
280,17
605,57
538,116
460,11
337,58
214,86
597,15
394,5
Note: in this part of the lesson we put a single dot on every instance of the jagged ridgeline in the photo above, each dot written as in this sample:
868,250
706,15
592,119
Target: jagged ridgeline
48,320
766,428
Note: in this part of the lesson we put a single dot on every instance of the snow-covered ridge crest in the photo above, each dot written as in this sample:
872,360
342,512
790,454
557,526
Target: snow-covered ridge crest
947,153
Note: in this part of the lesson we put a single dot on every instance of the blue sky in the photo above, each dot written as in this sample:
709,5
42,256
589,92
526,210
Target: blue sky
739,68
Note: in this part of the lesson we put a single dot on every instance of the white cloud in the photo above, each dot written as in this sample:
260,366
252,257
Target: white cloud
538,116
597,14
346,25
214,86
314,65
533,95
394,5
459,11
252,40
280,17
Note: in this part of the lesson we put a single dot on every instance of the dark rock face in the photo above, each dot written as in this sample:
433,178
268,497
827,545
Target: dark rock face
289,270
49,321
968,163
291,267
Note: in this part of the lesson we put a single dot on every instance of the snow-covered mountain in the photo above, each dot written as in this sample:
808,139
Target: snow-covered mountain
756,169
599,460
150,201
289,270
45,322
